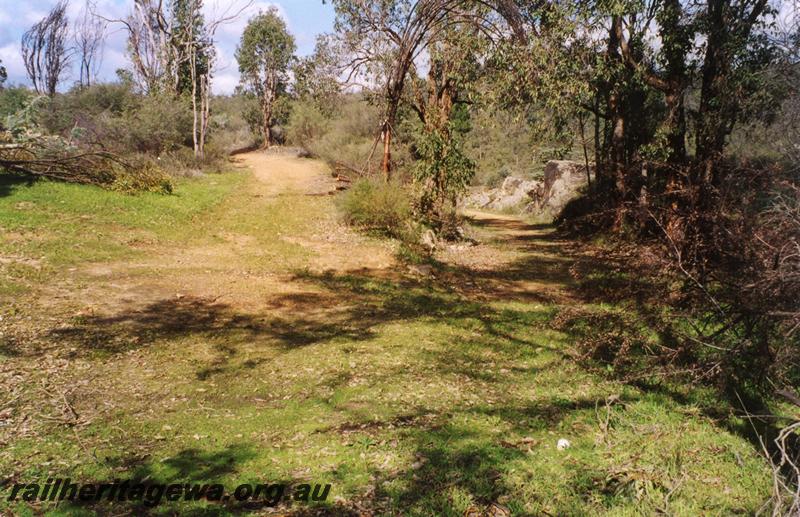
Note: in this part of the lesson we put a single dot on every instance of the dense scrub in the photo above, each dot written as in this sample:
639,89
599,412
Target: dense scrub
378,206
110,135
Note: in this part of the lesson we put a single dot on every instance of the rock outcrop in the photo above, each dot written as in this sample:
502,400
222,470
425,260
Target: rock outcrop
562,181
514,192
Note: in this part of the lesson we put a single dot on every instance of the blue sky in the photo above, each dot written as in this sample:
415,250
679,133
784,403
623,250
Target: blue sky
305,18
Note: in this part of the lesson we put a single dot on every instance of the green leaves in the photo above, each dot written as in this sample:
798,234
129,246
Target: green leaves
266,46
443,166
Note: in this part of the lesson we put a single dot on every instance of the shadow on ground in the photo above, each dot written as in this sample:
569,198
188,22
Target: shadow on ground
351,307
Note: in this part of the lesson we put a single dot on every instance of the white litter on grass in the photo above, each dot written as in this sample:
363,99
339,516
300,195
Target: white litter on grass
563,444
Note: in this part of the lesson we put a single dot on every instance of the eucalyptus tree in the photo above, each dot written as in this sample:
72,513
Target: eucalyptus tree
382,39
440,101
265,54
316,77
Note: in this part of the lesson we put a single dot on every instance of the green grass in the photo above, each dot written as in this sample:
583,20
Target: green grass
49,226
402,394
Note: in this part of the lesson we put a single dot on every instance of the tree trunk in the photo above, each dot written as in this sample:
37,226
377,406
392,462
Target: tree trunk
679,42
710,139
386,165
266,111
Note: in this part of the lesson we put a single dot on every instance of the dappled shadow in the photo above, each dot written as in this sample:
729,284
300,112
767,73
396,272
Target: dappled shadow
187,316
351,306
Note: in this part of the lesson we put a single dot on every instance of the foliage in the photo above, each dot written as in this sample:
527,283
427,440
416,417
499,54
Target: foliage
230,130
113,117
443,170
502,144
13,100
346,138
264,54
25,150
315,77
384,207
307,124
189,38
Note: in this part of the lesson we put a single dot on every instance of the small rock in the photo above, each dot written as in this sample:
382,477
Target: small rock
563,444
428,240
421,270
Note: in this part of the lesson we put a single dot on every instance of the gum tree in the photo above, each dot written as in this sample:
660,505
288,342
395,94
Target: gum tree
382,39
264,54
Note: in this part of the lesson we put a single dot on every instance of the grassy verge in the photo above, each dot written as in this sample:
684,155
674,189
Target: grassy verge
49,226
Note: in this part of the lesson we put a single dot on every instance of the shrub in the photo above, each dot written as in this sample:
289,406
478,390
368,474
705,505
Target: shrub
158,125
378,206
93,110
229,129
142,175
114,118
307,124
12,100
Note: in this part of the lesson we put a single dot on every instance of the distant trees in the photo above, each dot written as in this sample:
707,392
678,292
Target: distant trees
172,51
88,35
45,50
264,54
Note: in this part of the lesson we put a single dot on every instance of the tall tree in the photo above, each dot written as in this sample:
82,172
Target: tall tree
264,54
149,45
190,40
444,169
316,76
383,38
45,50
729,31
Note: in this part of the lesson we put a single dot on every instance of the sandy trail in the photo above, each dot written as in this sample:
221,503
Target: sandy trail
228,259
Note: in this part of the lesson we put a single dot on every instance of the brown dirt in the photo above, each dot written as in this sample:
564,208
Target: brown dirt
218,269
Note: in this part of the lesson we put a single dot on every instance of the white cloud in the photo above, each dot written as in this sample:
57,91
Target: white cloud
224,83
12,60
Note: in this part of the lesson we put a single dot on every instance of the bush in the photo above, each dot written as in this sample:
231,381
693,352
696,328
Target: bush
347,137
229,129
12,100
307,124
92,110
158,125
378,206
114,118
142,175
